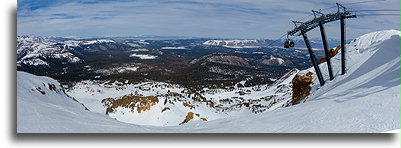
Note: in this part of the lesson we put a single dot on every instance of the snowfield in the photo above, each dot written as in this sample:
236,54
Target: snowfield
174,48
233,43
364,100
143,56
32,51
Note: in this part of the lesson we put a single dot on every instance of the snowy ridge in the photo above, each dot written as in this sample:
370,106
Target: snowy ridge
143,56
172,48
365,55
364,100
35,50
97,41
43,107
274,61
233,43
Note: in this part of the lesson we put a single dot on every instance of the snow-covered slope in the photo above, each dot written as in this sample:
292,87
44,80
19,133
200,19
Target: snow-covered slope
34,51
43,107
170,104
365,99
274,61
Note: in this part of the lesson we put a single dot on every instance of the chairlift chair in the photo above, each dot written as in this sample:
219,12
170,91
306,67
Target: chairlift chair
289,43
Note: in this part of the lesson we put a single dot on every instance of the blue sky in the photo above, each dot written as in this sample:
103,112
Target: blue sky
253,19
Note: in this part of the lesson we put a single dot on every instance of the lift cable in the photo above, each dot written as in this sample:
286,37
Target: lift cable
361,2
375,10
376,14
324,9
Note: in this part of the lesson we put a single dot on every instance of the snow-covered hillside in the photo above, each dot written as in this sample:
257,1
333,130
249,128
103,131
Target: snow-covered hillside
34,51
172,103
365,99
275,61
170,106
234,43
43,107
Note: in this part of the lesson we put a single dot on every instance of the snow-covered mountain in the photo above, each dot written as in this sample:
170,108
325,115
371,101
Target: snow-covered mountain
235,43
365,99
276,61
35,51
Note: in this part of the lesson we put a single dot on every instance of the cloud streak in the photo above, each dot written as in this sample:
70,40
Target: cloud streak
199,18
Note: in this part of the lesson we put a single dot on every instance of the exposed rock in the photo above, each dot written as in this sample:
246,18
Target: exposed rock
165,109
40,90
301,87
52,86
332,53
189,117
140,103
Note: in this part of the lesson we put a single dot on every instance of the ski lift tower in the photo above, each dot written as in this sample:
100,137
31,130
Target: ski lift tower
301,28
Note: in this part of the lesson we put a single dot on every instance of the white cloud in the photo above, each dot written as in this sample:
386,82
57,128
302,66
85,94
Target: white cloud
202,18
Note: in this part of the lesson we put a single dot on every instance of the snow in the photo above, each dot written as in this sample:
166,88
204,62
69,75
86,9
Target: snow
55,112
139,49
72,43
34,51
273,61
92,93
143,56
233,43
119,69
364,100
223,42
175,48
97,41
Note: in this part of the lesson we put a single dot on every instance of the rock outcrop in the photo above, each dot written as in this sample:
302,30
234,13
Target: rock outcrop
140,103
332,53
301,87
